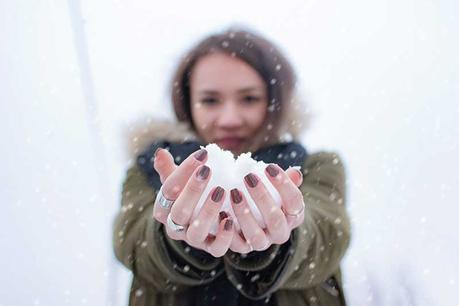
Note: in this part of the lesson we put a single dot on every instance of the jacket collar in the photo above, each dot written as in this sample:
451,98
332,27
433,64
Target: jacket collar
180,141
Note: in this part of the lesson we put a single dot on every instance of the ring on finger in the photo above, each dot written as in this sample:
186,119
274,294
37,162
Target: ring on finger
174,226
165,203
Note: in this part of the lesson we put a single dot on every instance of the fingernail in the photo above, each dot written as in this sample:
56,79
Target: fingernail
200,155
299,172
228,225
203,173
251,180
156,152
217,194
272,170
236,196
222,215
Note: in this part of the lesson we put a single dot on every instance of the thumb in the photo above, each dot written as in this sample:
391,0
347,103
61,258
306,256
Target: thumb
295,175
164,164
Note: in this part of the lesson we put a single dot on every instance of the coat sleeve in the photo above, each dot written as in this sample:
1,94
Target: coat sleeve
141,244
315,248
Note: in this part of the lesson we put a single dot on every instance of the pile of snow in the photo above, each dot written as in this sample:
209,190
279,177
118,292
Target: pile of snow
228,172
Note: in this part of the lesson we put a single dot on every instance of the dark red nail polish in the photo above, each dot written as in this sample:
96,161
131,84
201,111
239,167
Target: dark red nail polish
222,215
272,170
228,225
236,196
203,173
251,180
217,194
200,155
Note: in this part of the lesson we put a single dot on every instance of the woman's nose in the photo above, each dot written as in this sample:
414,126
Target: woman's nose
230,117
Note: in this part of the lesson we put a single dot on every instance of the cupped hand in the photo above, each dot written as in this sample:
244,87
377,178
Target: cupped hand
184,185
280,221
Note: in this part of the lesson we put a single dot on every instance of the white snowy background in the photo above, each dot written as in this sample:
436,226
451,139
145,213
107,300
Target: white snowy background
381,78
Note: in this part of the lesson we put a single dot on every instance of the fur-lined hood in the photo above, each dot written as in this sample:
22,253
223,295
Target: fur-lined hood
143,132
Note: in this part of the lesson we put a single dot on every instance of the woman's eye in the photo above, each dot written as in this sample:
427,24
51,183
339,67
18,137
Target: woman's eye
251,99
209,101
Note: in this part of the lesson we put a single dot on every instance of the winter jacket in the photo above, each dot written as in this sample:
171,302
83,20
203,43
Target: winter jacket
303,271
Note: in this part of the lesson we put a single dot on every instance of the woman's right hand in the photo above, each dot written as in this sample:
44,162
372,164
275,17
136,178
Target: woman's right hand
184,185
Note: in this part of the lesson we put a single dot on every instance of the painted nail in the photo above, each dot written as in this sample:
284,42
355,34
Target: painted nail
203,173
156,152
236,196
222,215
200,155
251,180
217,194
272,170
228,225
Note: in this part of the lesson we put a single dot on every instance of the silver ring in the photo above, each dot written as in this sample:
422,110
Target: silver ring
165,203
174,226
295,215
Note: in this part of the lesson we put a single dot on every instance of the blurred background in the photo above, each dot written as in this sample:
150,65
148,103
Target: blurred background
381,80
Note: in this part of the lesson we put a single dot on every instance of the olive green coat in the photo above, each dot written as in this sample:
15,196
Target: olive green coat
311,275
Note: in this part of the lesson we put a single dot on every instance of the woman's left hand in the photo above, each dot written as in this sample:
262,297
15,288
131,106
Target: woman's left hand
279,220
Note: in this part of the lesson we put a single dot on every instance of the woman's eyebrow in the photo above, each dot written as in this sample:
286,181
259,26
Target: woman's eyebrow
208,91
242,90
247,89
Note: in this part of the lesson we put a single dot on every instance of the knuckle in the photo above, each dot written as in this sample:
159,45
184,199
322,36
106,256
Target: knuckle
262,196
170,191
194,187
275,218
209,211
191,239
295,197
179,216
258,239
283,238
159,215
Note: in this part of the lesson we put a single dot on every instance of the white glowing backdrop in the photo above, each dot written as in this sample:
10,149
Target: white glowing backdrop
380,77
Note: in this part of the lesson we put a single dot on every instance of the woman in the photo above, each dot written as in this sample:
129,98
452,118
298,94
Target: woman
235,89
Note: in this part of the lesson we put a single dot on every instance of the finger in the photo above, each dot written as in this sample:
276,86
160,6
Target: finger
175,234
184,206
292,198
295,175
200,227
175,182
222,241
164,163
240,245
253,233
274,217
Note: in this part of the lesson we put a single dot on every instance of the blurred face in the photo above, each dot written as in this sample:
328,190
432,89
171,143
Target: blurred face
228,101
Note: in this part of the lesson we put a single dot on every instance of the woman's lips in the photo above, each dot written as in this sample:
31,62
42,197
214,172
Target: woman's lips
229,143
